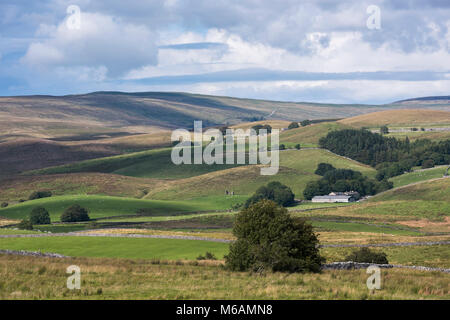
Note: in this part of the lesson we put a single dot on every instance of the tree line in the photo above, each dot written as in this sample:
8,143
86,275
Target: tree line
388,155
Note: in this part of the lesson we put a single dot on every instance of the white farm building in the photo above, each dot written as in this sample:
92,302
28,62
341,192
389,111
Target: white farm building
333,198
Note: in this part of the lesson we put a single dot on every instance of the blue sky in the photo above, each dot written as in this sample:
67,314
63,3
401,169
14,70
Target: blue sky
320,51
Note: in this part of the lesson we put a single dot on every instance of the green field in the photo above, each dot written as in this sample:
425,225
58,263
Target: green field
434,190
361,227
309,136
109,247
417,176
145,164
105,206
388,211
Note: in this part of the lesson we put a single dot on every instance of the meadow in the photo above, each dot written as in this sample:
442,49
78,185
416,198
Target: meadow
106,206
418,176
101,278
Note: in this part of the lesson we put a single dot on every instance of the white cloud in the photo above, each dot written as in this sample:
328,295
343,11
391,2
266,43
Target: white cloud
102,41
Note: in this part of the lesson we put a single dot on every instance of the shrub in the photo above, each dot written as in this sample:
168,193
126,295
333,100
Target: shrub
297,146
25,225
384,130
39,215
39,195
282,147
75,213
293,125
367,255
208,256
269,239
275,191
21,200
4,204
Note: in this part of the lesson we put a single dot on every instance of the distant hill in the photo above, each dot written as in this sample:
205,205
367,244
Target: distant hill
89,116
406,117
427,100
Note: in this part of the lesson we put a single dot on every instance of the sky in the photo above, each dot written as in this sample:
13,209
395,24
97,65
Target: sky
290,50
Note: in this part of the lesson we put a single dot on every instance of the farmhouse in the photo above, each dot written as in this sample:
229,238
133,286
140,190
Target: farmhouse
334,198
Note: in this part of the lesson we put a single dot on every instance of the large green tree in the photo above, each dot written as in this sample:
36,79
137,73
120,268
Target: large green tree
276,191
39,215
75,213
269,239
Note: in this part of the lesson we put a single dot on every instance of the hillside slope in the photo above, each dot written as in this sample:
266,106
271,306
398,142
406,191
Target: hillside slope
117,113
409,117
433,190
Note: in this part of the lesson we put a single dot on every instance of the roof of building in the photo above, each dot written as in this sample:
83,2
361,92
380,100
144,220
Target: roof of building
332,197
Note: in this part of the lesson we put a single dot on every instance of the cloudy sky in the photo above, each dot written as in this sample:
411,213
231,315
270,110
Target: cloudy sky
320,51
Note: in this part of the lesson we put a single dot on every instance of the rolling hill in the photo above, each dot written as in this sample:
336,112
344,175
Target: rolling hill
296,170
409,117
20,187
88,116
107,206
310,134
437,189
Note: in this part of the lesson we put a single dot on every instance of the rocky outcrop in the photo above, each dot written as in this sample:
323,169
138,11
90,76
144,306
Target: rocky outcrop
33,253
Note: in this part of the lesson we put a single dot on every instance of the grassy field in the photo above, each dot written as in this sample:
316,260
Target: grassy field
389,211
106,206
309,135
34,278
434,190
361,227
20,187
418,176
402,117
177,249
415,135
110,247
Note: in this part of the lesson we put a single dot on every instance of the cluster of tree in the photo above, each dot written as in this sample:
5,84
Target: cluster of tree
40,215
343,180
275,191
269,239
259,127
389,155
